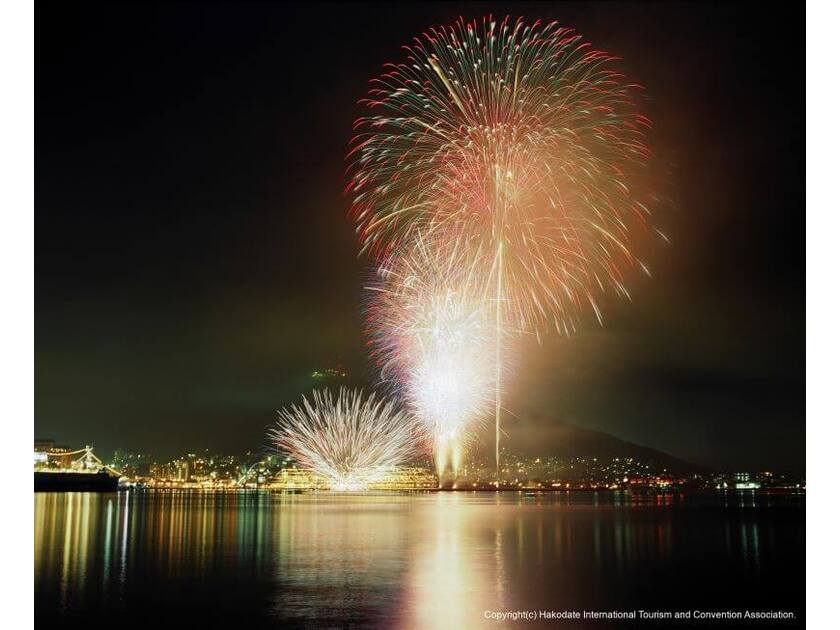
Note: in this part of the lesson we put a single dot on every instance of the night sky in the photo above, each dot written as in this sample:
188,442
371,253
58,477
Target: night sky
195,264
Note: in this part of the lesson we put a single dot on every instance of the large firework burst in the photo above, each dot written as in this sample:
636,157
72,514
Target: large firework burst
520,144
351,440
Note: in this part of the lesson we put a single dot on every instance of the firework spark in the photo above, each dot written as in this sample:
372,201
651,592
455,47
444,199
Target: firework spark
350,440
519,143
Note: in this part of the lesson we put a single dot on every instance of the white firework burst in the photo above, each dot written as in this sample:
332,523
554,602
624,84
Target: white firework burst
350,440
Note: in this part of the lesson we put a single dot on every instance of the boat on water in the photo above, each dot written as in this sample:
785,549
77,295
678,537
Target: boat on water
101,481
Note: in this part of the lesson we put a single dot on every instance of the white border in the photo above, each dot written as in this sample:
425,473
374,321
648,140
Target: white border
822,249
16,279
823,286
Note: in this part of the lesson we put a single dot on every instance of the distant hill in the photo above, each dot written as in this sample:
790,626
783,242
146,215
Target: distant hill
567,440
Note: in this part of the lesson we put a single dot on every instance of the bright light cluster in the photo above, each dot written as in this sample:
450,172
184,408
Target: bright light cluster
432,334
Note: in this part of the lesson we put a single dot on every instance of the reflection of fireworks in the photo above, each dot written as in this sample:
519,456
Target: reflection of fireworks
350,440
520,144
432,337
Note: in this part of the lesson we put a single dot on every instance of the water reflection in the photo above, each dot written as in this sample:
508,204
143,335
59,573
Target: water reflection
450,581
338,558
437,560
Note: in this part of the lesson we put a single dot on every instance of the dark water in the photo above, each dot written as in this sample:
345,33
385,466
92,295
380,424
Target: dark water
439,560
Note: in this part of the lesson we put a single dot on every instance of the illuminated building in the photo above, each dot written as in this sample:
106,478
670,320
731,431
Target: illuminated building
296,479
408,478
743,481
50,455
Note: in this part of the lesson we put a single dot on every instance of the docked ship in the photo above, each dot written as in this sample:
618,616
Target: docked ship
56,471
101,481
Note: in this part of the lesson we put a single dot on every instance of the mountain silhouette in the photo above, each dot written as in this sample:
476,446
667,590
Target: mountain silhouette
538,436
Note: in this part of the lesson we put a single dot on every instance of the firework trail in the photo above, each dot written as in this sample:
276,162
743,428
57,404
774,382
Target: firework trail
350,440
520,145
